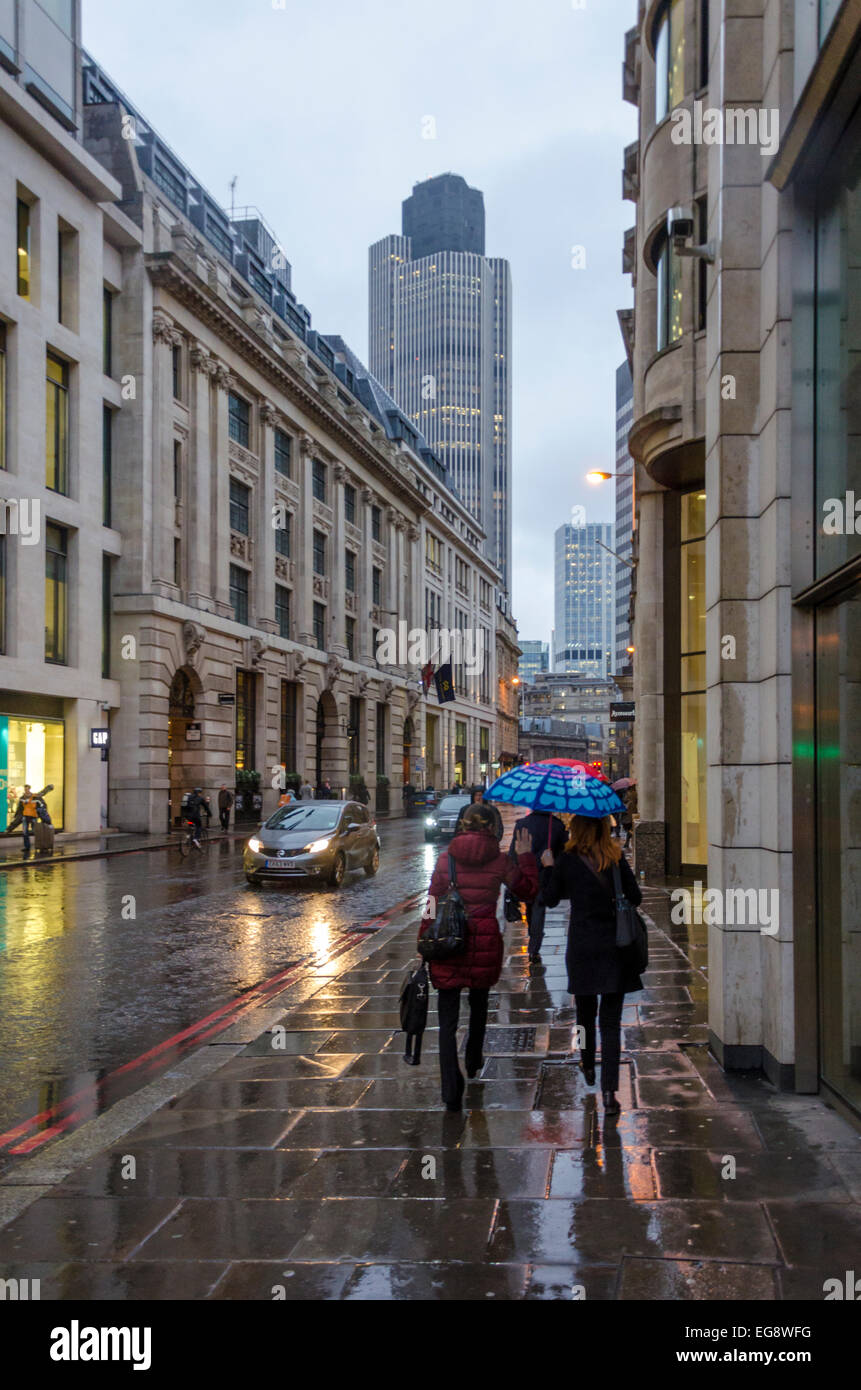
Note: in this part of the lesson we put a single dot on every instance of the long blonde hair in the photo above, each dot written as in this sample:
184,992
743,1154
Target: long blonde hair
592,838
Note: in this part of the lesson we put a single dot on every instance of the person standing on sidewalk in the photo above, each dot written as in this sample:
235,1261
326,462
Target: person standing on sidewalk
546,831
225,801
306,791
31,807
480,870
596,966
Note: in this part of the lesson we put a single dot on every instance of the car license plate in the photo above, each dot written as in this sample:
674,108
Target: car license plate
280,864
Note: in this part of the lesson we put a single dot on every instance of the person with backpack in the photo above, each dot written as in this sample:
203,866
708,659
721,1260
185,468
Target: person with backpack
587,874
474,868
195,808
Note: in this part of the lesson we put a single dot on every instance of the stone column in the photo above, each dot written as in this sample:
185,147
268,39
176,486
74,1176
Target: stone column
264,549
415,616
198,508
337,592
165,338
366,592
220,494
650,835
304,588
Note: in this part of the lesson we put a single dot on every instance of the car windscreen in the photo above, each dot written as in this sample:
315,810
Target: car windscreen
453,803
304,818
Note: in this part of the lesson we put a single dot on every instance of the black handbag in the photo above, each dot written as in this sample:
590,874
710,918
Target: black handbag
446,935
631,934
414,1001
511,907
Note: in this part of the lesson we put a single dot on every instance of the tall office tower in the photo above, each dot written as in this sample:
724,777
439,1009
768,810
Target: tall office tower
534,658
624,515
439,328
585,599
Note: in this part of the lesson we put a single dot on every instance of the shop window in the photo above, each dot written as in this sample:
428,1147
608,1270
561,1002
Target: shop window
32,753
57,425
56,595
246,702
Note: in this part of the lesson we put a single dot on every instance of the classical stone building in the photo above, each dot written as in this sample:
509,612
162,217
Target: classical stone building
508,687
281,516
61,250
744,348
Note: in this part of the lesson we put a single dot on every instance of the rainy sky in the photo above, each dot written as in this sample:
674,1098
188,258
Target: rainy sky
319,110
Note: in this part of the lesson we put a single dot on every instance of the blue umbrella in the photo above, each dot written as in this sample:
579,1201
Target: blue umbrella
547,788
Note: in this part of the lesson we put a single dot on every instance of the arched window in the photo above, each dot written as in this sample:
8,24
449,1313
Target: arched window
669,44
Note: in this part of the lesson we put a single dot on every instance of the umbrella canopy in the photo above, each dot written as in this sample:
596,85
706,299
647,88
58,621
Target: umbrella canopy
586,768
549,787
624,783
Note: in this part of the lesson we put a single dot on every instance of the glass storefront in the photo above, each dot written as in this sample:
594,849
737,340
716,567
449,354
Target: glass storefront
837,377
692,613
32,751
838,777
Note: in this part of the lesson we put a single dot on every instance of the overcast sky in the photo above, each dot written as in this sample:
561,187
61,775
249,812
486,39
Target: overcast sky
318,108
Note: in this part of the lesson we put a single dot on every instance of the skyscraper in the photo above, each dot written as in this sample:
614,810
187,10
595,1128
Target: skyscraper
585,599
439,327
534,658
624,514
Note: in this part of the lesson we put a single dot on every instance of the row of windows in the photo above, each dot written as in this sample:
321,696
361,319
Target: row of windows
669,45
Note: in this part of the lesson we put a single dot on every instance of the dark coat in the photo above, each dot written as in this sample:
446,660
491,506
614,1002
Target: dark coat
480,870
594,962
543,835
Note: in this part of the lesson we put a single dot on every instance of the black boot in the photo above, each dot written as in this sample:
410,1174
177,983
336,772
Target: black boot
455,1105
611,1105
588,1070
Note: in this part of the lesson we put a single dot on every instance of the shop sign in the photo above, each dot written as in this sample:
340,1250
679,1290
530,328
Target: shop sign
193,733
100,738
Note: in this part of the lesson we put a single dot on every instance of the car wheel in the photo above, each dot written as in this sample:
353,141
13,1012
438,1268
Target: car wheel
373,864
339,868
252,882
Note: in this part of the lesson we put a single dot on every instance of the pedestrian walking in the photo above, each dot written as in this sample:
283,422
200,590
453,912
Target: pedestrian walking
225,801
480,871
630,811
477,799
30,809
597,968
306,791
545,831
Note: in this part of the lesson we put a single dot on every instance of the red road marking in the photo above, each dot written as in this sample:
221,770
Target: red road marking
225,1016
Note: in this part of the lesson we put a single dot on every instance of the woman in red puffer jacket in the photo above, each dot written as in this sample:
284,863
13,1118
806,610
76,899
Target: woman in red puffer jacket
480,871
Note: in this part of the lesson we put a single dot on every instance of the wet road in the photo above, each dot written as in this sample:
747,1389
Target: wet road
102,960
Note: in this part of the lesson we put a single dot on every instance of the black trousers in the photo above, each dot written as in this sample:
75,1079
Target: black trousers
448,1004
610,1023
535,914
224,817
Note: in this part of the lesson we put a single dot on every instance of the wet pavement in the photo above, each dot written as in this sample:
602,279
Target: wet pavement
313,1164
103,960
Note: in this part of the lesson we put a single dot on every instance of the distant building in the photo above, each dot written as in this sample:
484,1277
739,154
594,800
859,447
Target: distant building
579,702
535,658
585,599
439,316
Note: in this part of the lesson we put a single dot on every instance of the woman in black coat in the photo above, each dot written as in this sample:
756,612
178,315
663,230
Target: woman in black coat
596,966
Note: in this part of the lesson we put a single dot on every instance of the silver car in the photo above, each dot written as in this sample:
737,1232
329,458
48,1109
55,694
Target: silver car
441,822
313,839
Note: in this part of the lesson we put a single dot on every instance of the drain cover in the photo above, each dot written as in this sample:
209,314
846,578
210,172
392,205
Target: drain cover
503,1040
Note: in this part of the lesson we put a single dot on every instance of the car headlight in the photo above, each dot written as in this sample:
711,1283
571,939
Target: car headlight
430,821
255,844
317,847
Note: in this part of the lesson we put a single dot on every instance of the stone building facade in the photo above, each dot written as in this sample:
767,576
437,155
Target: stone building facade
282,515
726,526
61,250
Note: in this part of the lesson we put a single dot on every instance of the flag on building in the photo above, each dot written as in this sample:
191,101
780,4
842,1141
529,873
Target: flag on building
444,680
427,676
